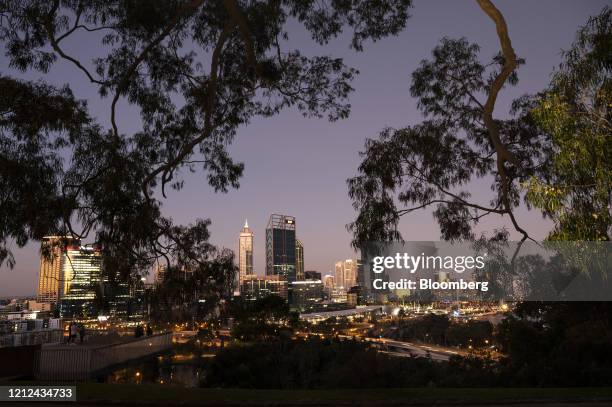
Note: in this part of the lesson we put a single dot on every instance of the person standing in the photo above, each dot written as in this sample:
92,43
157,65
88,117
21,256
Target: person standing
81,333
69,333
73,331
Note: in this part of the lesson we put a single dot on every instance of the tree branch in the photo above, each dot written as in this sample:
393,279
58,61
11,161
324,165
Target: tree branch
187,8
211,93
245,33
510,64
423,178
48,23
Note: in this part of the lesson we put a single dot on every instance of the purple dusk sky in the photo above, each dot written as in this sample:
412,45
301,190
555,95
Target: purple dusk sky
299,166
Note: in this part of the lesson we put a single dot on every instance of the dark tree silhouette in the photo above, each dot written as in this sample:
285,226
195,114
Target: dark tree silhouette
263,318
430,164
192,290
195,70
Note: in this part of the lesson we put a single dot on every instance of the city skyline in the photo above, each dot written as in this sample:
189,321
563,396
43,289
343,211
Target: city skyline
313,181
262,202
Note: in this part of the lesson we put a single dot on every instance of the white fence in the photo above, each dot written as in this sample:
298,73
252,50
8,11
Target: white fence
82,362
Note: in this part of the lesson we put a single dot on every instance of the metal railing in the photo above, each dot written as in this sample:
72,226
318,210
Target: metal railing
27,338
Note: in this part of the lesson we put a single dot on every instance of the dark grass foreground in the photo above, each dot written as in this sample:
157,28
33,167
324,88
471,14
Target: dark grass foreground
118,394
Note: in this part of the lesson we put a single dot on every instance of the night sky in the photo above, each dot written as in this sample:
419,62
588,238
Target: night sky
299,166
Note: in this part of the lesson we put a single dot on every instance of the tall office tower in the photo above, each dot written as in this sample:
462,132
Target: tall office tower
82,277
299,260
339,274
280,247
51,272
350,273
245,253
346,274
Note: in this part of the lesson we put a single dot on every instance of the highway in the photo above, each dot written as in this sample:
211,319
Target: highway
410,349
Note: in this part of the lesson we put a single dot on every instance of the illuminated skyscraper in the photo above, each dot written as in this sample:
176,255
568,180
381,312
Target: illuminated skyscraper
346,274
245,254
299,260
52,265
339,274
280,247
82,277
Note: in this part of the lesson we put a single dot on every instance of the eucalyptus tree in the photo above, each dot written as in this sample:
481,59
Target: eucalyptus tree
196,71
433,163
576,111
553,153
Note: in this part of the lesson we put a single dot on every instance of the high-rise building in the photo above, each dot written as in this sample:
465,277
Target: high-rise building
339,274
245,253
299,260
51,273
82,278
280,247
346,274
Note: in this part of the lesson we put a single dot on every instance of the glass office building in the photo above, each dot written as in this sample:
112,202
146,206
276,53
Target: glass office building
281,247
52,266
82,278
